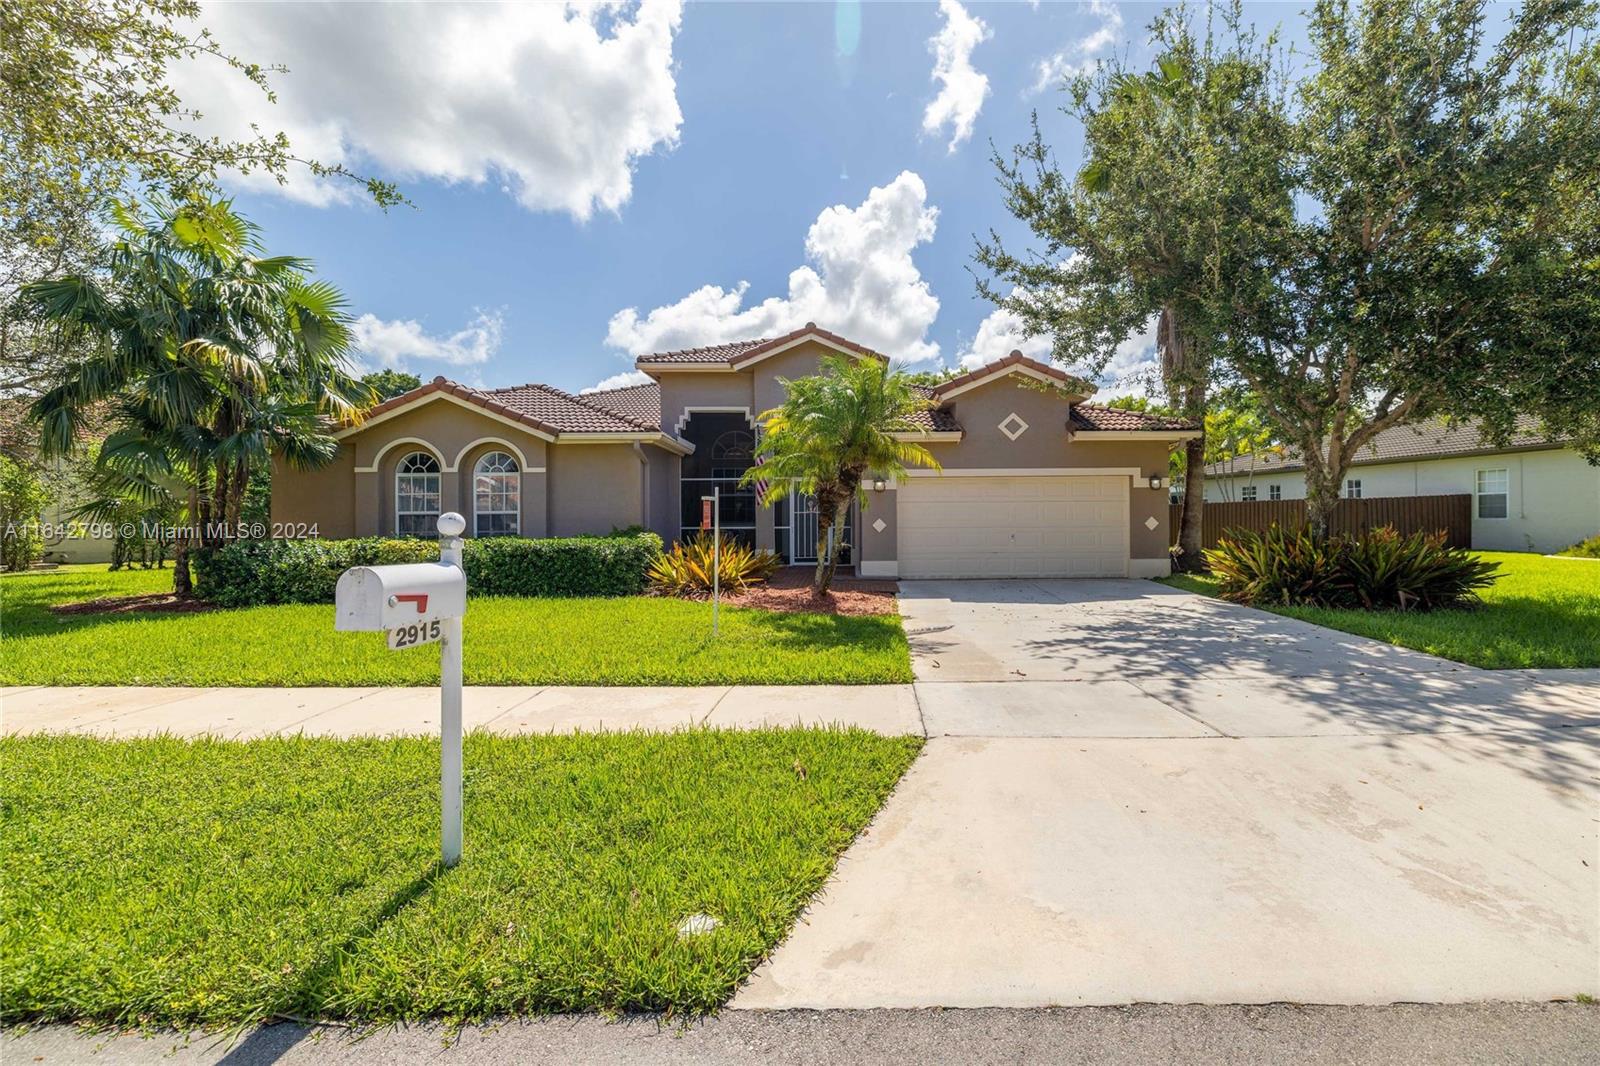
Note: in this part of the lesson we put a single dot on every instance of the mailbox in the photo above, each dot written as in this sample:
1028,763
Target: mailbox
388,597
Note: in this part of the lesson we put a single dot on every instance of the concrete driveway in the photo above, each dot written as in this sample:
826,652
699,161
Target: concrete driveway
1135,794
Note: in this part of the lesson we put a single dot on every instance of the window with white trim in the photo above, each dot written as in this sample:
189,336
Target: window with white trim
1248,493
496,496
1274,492
416,496
1494,493
1352,489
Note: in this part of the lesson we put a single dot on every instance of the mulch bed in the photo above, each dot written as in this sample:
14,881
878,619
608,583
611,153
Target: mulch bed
790,590
152,602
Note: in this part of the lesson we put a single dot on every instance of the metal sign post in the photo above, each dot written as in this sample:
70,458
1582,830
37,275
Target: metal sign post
451,526
421,603
711,514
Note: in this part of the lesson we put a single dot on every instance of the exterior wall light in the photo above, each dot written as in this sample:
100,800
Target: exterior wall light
878,484
1155,481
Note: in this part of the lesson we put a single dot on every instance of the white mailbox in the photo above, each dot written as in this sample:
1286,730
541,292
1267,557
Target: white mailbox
421,603
388,597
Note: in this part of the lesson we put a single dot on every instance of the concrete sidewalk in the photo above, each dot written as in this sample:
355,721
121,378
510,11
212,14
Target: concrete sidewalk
242,713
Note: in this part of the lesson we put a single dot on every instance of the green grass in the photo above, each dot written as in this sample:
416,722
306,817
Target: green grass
625,641
168,882
1542,612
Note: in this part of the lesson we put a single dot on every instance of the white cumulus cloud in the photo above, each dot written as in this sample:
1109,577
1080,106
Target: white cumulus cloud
961,87
617,381
552,102
1133,368
860,282
398,343
1000,334
1078,56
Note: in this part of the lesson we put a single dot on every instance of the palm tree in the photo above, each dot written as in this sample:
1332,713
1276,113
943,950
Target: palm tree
831,431
207,356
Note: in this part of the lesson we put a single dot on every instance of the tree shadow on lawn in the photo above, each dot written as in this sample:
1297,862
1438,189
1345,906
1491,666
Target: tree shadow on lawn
800,631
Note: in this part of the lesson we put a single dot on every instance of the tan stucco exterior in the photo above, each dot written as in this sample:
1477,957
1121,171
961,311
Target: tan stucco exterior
574,483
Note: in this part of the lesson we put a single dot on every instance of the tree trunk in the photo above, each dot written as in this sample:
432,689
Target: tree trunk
820,577
836,545
1190,543
1322,498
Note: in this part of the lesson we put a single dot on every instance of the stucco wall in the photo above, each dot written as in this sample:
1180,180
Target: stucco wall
682,391
594,488
661,503
1044,444
324,498
1554,494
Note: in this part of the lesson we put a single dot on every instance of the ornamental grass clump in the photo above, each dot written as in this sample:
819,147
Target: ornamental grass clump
1381,570
686,569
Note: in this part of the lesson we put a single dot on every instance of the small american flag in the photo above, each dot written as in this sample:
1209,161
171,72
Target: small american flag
760,460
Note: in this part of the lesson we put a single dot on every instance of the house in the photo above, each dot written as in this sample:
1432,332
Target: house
1532,494
1036,482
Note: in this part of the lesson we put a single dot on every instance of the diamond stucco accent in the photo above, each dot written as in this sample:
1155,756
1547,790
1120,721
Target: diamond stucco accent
1151,523
880,525
1013,426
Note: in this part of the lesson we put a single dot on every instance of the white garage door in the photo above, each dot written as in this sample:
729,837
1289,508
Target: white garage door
952,526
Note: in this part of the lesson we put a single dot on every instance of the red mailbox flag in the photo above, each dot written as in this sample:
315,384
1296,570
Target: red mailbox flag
705,514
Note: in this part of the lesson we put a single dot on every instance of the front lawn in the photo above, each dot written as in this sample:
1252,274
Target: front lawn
1542,612
169,882
623,641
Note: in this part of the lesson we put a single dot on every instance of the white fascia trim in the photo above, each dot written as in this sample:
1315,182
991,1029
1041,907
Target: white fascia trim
1084,436
660,440
458,401
1032,471
880,568
1150,567
698,368
683,416
935,435
1015,368
522,460
444,464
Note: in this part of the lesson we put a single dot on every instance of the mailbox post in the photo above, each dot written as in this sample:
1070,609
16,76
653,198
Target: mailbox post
421,603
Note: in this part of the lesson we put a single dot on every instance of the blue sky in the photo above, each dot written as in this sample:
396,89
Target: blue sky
568,166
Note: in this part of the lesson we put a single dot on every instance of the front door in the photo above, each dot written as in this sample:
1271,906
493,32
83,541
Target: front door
803,546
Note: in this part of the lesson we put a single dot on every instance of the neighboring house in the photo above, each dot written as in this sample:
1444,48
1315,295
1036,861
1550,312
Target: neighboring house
1533,494
1035,483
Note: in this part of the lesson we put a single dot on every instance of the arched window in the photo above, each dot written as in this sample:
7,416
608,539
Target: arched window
496,496
416,496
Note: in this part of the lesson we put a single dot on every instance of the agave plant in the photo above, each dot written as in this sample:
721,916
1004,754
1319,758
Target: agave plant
686,570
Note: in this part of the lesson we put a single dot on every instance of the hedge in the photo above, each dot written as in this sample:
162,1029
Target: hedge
254,573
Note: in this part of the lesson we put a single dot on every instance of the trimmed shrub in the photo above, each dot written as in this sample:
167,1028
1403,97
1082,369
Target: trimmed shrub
254,573
1585,549
1381,570
686,569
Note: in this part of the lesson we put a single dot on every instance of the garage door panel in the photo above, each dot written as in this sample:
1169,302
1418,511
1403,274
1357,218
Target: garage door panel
955,526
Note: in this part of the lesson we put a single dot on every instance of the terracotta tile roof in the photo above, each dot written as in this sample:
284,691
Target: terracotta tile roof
1090,417
1016,358
736,353
715,354
543,408
569,413
1432,439
485,400
936,419
639,402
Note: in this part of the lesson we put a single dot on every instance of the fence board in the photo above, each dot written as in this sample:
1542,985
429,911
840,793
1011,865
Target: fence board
1407,514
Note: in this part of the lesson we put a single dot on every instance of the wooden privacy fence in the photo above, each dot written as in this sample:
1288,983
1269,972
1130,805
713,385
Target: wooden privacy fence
1407,514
